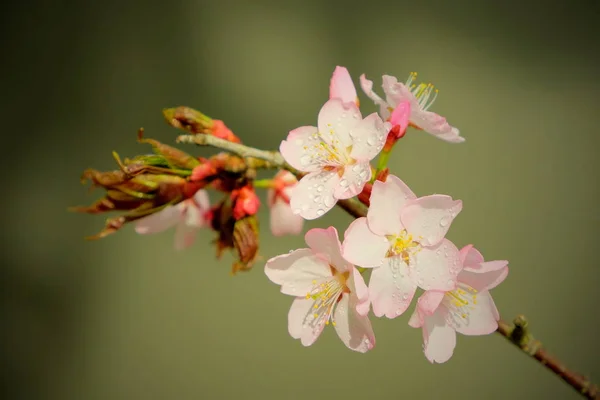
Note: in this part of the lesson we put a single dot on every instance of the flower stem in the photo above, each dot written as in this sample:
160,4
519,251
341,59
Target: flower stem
517,333
263,183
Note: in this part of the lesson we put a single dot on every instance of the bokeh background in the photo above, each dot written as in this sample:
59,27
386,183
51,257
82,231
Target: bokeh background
127,317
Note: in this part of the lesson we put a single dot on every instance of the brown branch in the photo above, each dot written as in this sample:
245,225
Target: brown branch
517,333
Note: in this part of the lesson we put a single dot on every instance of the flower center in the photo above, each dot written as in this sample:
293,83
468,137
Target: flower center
461,300
326,294
423,92
328,152
403,245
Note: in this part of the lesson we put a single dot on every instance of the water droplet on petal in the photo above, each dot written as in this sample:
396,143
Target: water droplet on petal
445,221
320,188
317,199
329,201
320,212
450,282
405,297
297,211
371,140
398,311
344,182
305,159
356,168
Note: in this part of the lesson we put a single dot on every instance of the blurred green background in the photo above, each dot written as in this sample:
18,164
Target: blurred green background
127,317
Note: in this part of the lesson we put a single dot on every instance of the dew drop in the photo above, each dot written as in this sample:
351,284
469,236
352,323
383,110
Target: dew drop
398,311
297,211
344,183
356,168
305,159
405,297
320,212
317,199
320,188
445,221
329,201
371,140
450,282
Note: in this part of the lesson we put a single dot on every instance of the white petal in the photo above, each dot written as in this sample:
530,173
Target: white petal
439,338
301,321
387,200
436,268
489,275
353,329
283,221
313,196
475,319
296,271
362,247
336,120
428,218
391,288
299,149
368,137
326,243
353,180
160,221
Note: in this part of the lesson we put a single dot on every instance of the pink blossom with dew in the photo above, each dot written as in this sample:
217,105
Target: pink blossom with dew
420,97
328,290
342,87
283,220
402,239
187,217
468,309
335,155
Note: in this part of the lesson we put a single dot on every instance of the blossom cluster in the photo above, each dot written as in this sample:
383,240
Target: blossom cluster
400,243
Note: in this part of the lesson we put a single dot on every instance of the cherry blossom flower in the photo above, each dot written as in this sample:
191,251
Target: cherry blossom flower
342,87
327,288
467,309
402,238
283,220
187,216
336,156
420,96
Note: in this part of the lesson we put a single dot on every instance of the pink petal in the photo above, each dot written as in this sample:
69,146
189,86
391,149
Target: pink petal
439,338
363,247
367,87
357,286
201,200
301,323
193,216
429,301
341,86
353,329
489,275
391,289
298,149
184,236
160,221
387,200
326,243
336,120
428,218
470,256
427,304
313,195
353,180
283,221
296,271
495,311
401,115
475,319
369,137
397,92
436,125
436,268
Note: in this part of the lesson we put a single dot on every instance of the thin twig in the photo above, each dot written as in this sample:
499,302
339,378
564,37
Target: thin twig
517,333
